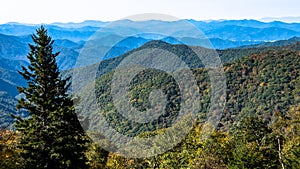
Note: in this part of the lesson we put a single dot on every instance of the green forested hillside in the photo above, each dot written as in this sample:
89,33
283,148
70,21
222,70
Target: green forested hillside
262,88
264,82
8,107
261,83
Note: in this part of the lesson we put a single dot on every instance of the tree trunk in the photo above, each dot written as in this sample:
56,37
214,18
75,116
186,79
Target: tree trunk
280,154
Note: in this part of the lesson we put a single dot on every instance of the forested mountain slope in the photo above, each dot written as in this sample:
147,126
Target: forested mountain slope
262,83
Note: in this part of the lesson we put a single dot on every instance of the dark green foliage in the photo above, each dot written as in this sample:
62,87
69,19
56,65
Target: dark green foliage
262,84
51,137
141,86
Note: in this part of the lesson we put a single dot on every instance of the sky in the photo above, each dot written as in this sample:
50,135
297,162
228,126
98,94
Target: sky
49,11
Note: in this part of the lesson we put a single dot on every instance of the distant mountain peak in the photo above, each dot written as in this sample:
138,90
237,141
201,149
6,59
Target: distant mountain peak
289,19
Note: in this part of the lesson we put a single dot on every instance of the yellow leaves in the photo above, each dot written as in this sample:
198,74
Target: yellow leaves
294,115
206,130
97,157
131,162
8,150
117,161
7,137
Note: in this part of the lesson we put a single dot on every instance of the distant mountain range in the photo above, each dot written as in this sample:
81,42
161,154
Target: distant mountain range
70,38
225,29
289,19
222,34
232,39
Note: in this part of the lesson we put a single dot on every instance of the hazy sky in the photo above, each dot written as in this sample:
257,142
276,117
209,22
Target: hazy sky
48,11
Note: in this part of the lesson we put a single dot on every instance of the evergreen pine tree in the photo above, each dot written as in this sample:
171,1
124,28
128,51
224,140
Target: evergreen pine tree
52,136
